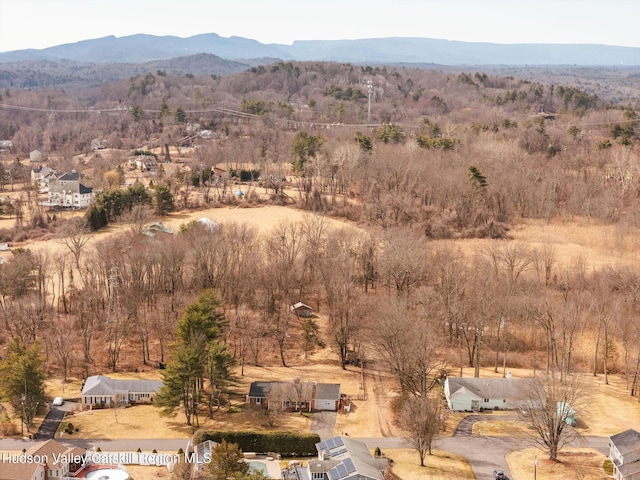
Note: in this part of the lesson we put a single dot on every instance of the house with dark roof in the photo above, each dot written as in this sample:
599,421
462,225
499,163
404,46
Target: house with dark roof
295,395
340,458
105,391
67,191
624,453
473,394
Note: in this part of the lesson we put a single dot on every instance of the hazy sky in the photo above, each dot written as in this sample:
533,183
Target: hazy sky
45,23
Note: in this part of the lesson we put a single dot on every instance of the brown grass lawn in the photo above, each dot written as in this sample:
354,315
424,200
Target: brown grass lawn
578,464
609,408
439,465
598,245
140,421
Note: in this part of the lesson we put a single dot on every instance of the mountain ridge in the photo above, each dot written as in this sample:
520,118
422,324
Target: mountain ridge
141,47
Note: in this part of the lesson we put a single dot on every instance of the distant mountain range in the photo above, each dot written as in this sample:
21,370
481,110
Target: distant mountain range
397,50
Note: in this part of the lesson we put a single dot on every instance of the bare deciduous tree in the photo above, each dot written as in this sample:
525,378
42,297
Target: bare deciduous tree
420,419
74,236
550,405
406,341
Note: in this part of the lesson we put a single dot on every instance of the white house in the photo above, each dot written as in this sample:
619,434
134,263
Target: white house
106,391
67,191
624,453
473,394
41,175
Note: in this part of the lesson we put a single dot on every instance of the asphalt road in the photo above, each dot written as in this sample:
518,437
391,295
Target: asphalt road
484,454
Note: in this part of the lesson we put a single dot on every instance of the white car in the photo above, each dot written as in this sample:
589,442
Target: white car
57,401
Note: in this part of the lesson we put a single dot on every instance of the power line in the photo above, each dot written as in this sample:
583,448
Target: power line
223,110
238,113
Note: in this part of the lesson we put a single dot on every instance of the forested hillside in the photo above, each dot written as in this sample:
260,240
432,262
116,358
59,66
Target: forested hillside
411,159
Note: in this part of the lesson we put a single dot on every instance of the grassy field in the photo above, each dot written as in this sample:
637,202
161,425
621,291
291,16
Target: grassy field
574,464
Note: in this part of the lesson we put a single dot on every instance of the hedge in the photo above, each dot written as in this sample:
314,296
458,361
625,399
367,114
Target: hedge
287,444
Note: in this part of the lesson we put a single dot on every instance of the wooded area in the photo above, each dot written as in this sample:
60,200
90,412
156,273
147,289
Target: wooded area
445,155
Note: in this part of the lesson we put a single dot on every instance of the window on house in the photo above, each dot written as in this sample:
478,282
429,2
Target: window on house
486,400
258,401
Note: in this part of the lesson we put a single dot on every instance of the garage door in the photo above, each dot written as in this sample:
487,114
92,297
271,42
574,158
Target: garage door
325,405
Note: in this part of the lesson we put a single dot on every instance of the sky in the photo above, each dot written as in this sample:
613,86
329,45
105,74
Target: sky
44,23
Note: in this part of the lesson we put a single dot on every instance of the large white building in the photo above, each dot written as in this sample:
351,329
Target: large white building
67,191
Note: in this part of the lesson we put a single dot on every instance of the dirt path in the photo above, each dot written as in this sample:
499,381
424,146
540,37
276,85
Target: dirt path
381,396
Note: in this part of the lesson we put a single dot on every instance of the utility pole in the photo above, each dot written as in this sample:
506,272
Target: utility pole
23,401
369,90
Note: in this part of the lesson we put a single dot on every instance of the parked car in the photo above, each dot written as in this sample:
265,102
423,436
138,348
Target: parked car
499,475
57,401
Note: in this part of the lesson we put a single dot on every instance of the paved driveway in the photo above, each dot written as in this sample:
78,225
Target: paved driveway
323,424
51,422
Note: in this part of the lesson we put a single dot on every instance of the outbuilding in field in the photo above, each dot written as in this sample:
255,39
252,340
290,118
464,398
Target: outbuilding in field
301,310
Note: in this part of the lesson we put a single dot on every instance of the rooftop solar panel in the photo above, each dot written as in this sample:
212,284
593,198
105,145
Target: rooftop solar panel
348,463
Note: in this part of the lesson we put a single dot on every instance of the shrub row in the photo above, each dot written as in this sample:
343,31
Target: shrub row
286,444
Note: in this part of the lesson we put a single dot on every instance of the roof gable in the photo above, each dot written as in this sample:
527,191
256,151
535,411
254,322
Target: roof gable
99,385
355,460
321,391
52,450
504,388
260,389
327,391
69,176
626,441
